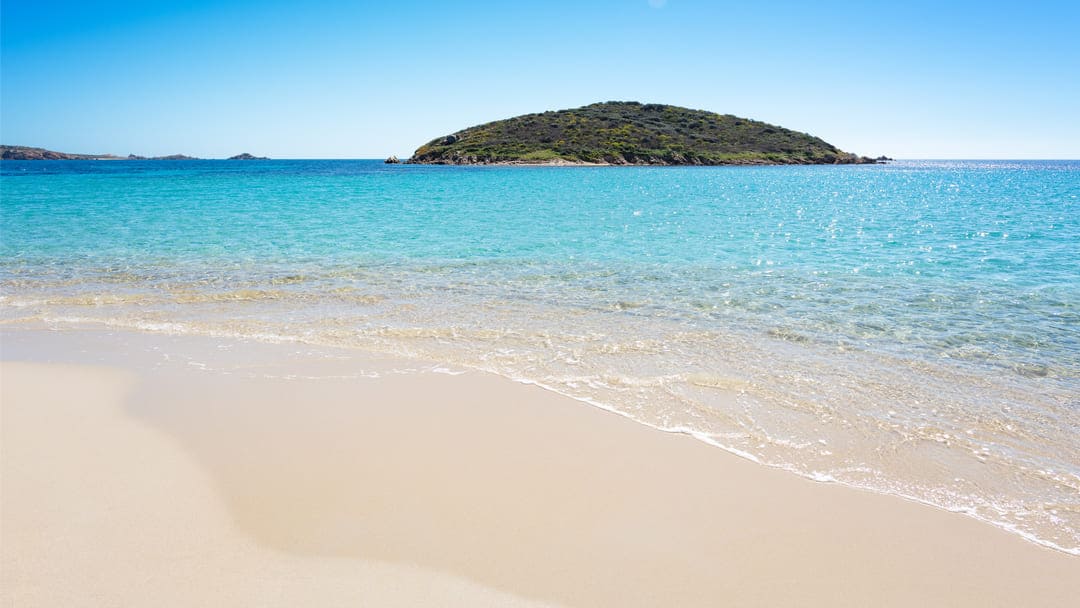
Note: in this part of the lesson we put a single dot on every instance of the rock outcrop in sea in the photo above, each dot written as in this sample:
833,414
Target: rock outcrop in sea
246,156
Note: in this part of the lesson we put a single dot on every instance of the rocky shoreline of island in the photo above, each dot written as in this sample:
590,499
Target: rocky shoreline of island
640,162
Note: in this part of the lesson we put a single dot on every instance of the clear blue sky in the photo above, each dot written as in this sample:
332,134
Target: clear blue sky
321,79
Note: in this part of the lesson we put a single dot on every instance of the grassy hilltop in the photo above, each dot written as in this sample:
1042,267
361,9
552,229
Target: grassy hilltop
631,133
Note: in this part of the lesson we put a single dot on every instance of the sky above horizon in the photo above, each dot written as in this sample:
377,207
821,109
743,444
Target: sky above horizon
332,79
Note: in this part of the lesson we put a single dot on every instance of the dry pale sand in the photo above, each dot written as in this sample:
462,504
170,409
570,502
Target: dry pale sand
191,471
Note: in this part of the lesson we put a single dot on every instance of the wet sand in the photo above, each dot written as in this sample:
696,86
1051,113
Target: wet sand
158,470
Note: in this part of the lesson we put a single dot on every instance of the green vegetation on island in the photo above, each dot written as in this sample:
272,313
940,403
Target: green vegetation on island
632,133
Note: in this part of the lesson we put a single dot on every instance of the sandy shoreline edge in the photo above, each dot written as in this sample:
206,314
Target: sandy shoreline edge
182,470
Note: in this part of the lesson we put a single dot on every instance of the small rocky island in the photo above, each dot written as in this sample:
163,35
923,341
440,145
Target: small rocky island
169,157
246,156
632,133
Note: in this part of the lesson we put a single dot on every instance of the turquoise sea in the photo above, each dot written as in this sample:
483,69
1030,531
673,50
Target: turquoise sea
911,328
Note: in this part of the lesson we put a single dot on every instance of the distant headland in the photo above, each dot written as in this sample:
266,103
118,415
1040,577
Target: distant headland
632,133
29,153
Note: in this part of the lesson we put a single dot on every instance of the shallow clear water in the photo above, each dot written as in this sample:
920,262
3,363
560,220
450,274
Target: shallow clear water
911,328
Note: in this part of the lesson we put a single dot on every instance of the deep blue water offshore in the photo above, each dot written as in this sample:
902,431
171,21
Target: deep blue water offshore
912,328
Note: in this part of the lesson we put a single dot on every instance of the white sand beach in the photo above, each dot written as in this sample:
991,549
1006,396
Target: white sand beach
158,470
